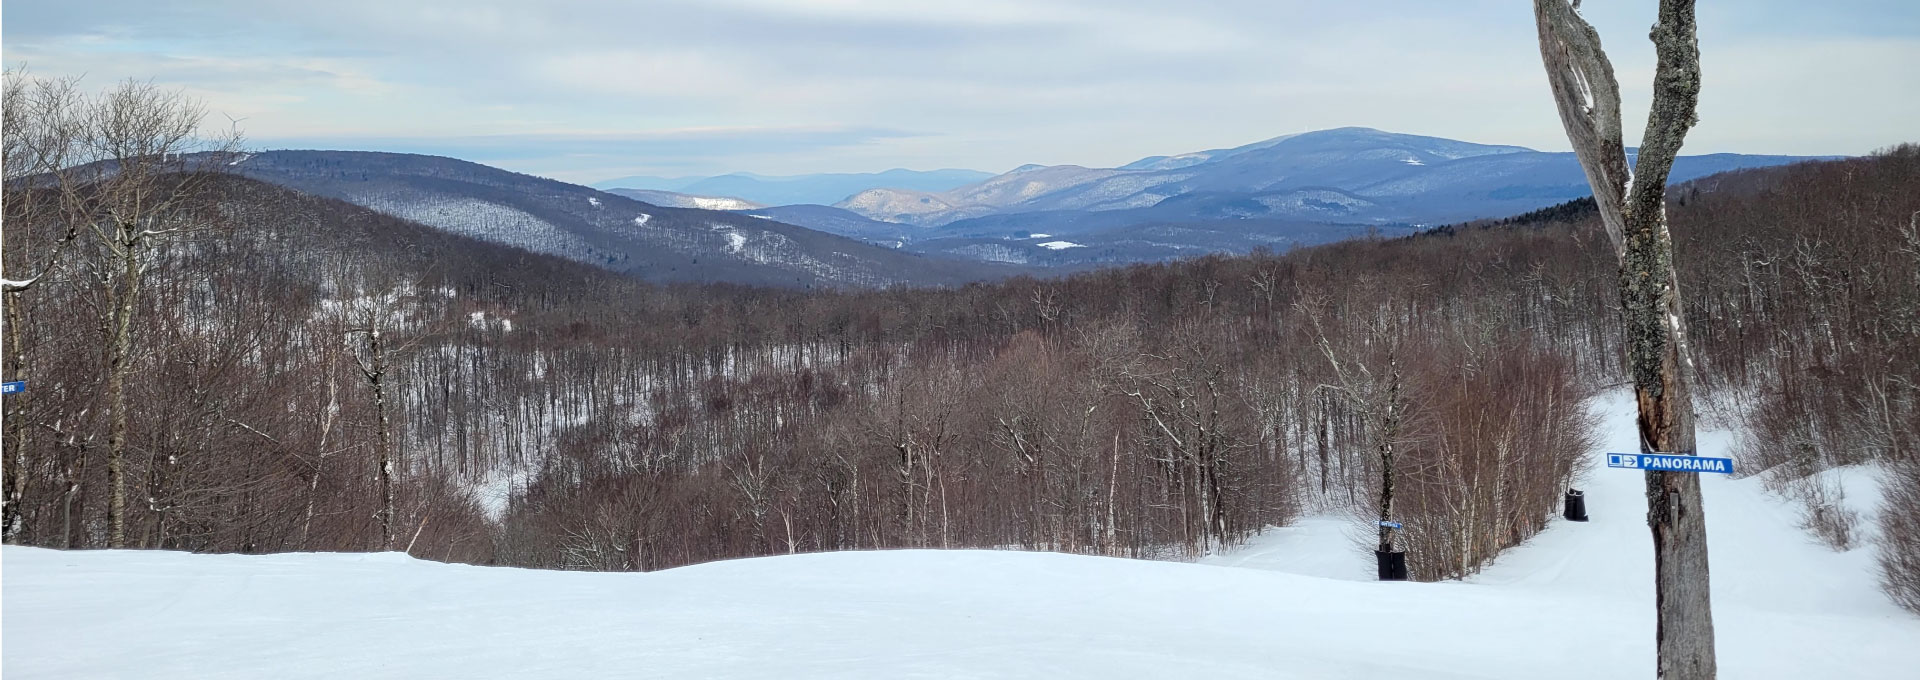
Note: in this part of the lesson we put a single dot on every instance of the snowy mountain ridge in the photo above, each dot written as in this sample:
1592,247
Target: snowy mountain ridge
1394,178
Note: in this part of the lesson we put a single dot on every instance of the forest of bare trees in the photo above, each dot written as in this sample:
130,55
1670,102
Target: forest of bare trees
307,375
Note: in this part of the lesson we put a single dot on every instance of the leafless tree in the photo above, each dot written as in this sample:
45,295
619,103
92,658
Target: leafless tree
1191,431
1632,207
1372,386
372,321
126,166
40,137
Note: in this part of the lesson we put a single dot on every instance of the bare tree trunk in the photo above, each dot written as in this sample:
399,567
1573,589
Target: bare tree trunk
1389,430
15,432
68,527
946,531
1322,423
385,442
374,369
320,457
1632,207
119,365
1379,404
1112,537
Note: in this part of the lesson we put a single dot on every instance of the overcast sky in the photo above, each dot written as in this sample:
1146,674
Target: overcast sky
584,91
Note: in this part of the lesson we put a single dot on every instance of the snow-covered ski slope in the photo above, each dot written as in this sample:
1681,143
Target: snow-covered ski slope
1576,602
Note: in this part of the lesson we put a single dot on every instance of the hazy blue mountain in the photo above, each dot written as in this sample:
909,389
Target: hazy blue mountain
819,189
615,232
843,222
1349,175
648,183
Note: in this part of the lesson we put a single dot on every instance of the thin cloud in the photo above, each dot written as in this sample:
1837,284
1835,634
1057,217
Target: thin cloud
829,85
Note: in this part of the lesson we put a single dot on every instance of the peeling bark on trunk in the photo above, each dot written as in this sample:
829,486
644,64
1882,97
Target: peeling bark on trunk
1632,207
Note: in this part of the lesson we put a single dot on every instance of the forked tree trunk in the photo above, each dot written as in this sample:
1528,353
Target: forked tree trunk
1632,207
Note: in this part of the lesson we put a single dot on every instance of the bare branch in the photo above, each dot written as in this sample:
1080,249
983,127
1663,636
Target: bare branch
1676,97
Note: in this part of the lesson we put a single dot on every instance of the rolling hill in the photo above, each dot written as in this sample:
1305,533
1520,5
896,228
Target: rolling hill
655,243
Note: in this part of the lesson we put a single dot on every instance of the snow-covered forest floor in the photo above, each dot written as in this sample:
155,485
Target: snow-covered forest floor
1296,602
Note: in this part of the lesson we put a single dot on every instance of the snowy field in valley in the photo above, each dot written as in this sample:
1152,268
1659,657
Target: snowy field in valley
1297,602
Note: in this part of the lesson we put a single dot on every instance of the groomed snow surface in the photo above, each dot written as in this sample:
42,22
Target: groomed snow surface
1575,602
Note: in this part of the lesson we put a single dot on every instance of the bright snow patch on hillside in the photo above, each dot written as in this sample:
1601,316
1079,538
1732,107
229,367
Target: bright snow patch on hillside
720,203
480,321
1576,602
641,221
480,219
1060,245
593,201
736,241
1041,236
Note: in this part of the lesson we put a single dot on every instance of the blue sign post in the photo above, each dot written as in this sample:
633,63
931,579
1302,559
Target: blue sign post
12,387
1389,525
1669,462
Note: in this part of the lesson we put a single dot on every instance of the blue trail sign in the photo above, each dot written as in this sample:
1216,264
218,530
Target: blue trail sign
1389,525
12,387
1669,462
